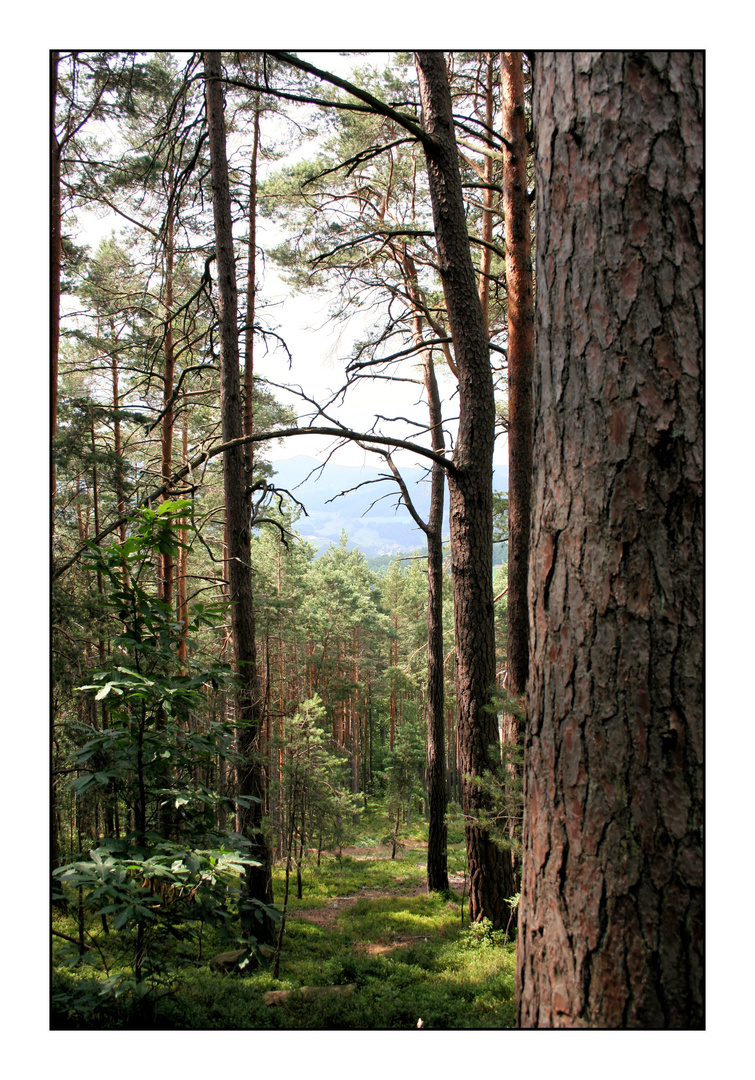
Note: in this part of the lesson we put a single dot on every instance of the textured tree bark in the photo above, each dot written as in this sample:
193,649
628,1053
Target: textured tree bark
486,232
521,348
248,710
470,487
611,926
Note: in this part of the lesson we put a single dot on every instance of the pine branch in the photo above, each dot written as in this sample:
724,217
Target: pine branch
375,104
358,159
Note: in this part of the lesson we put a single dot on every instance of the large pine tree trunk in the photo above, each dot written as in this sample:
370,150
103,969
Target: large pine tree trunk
611,926
237,506
470,486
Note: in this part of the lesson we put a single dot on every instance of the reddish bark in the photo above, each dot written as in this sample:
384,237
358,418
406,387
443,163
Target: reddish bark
486,233
611,926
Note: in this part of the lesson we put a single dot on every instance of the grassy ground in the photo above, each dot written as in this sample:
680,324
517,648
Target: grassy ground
364,920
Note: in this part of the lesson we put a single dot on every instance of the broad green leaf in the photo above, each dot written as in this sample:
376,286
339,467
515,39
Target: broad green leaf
110,909
120,921
81,783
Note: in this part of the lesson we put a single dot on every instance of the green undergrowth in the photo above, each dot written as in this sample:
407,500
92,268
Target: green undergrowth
407,955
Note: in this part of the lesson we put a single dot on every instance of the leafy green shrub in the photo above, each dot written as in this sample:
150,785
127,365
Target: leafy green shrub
175,873
481,935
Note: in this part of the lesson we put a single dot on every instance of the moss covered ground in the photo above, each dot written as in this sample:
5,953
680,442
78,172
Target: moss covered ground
364,921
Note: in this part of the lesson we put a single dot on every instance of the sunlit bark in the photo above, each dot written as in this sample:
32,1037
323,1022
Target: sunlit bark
611,924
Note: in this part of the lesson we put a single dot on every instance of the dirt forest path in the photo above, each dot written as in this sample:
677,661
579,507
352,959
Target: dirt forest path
327,915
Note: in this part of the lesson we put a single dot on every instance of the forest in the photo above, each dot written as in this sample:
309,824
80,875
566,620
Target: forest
457,783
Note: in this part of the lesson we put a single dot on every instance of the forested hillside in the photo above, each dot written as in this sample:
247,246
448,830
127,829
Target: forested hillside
382,527
279,765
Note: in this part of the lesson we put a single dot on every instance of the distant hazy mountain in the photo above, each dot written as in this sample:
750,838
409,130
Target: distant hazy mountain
379,529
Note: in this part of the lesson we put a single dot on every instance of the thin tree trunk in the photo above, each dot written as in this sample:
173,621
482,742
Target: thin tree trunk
394,692
249,711
117,442
284,909
470,485
56,260
397,822
182,609
108,798
451,756
354,721
368,737
521,347
96,508
166,562
168,351
55,818
611,927
83,525
437,844
302,848
487,201
251,285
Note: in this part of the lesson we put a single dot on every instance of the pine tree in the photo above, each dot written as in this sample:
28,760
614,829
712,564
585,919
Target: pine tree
611,924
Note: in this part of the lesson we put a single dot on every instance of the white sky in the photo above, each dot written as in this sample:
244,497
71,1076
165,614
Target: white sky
320,346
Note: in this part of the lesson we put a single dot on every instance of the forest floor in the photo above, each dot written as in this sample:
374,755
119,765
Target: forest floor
365,947
402,886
